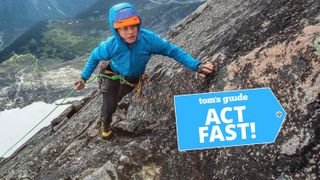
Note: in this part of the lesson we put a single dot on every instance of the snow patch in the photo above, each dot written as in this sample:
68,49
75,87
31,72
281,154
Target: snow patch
17,122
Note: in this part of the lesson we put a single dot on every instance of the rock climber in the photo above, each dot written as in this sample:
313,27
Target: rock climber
128,51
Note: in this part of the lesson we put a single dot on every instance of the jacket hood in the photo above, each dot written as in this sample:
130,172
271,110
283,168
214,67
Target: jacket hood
112,12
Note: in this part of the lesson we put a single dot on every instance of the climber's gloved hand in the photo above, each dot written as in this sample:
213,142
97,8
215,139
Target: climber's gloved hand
79,85
204,69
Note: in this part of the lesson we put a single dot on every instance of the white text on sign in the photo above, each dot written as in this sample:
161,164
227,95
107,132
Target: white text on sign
229,133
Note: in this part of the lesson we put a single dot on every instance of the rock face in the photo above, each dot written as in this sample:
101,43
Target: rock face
273,43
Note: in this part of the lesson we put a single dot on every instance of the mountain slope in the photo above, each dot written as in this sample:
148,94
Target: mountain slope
16,16
253,44
17,13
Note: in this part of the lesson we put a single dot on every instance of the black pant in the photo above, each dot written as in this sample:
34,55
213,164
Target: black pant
112,92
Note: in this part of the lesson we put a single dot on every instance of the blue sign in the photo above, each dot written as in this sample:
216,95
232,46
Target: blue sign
223,119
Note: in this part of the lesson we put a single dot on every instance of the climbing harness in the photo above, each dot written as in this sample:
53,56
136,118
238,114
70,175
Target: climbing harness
137,86
117,77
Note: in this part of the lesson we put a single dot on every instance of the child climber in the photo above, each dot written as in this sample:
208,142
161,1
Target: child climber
129,50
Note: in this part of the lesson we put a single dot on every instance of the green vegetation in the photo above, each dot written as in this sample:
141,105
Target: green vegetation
317,46
38,67
318,19
62,42
26,60
56,39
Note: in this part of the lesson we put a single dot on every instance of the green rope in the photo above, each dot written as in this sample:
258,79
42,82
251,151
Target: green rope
114,77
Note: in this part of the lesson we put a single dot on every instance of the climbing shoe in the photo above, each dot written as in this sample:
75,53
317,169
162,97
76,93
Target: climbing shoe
105,130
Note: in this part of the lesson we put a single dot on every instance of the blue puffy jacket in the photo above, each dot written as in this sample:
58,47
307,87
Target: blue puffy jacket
131,60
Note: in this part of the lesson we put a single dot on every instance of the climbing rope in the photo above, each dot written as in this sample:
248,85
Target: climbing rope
113,77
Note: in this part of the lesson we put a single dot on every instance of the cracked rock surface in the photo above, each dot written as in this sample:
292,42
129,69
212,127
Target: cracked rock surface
272,43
